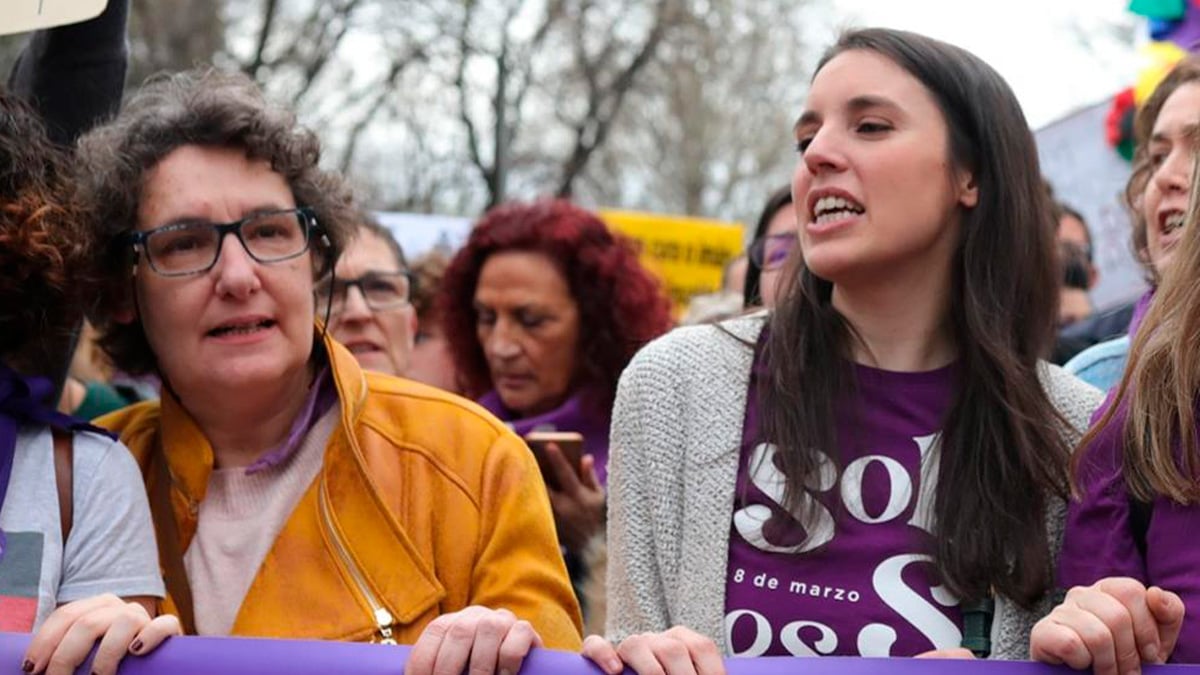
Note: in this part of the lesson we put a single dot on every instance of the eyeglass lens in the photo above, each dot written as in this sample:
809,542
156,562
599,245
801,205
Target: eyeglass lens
193,247
380,290
772,251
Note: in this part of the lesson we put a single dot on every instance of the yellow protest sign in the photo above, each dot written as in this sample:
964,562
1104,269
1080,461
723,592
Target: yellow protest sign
19,16
688,254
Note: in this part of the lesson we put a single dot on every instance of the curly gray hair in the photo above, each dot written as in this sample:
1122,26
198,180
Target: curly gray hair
204,107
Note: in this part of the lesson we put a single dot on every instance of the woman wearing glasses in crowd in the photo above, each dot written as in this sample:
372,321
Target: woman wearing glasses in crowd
879,468
368,300
293,494
775,236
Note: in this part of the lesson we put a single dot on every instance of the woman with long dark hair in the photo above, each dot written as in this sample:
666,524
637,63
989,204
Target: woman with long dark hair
880,467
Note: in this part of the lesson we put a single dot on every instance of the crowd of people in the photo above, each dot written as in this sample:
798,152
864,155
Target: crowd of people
513,447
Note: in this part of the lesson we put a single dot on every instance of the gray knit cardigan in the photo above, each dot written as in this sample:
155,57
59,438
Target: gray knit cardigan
676,436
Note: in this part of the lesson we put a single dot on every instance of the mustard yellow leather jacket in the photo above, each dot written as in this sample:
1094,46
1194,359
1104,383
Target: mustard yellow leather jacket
426,504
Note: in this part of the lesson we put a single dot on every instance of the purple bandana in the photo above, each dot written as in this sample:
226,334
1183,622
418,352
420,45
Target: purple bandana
573,415
27,400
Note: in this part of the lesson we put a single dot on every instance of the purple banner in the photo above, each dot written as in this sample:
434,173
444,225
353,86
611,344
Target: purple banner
243,656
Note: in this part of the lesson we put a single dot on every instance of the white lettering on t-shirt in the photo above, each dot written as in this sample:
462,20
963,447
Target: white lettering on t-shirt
790,637
762,632
873,639
768,478
899,489
930,463
933,624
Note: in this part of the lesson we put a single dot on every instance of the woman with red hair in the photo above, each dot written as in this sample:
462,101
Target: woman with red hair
543,308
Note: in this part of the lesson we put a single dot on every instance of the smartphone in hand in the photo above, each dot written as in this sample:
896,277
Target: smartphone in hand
570,443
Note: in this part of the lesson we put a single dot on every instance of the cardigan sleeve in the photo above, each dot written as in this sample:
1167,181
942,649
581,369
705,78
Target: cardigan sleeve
645,415
1076,401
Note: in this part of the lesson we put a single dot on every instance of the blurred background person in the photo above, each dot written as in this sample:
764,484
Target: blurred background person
775,236
1156,195
62,481
431,360
89,390
733,277
1079,271
1074,304
543,308
368,299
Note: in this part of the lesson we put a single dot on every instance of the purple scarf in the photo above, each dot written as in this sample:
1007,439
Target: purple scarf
27,400
573,415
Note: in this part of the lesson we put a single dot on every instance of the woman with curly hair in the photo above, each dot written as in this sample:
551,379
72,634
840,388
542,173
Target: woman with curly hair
543,308
294,494
73,516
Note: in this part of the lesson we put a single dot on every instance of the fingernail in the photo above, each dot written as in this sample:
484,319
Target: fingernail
614,666
27,666
136,647
504,672
1150,653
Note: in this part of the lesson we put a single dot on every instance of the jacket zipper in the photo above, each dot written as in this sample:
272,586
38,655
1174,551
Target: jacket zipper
382,617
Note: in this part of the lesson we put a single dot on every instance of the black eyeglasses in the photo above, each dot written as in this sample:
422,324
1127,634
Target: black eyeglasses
381,291
181,249
772,251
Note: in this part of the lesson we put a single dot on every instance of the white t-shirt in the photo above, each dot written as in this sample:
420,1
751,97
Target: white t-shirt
111,547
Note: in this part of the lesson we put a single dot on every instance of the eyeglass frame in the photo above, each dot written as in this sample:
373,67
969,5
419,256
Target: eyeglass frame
357,282
757,250
308,226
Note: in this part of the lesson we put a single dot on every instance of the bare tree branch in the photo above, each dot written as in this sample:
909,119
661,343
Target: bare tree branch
382,90
264,33
460,83
604,106
328,44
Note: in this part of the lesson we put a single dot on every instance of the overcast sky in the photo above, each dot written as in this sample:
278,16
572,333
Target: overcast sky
1058,55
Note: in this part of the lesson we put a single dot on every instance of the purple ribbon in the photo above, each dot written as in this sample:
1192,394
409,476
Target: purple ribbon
244,656
26,400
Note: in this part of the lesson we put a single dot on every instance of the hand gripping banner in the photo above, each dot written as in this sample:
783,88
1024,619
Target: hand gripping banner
243,656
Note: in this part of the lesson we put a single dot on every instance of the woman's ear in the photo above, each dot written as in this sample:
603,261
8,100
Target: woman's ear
968,191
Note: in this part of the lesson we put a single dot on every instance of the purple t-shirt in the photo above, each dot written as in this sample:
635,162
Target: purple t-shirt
862,582
1099,542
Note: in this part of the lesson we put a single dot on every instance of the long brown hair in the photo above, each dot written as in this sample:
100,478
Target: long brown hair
1002,446
1158,392
1186,71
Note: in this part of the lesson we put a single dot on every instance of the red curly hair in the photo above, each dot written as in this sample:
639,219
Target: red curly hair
43,250
622,306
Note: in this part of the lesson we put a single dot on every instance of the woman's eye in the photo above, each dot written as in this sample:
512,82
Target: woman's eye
802,145
532,321
380,286
873,127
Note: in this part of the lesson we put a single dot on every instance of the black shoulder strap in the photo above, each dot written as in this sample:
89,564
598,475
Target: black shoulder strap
170,551
1139,522
64,478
